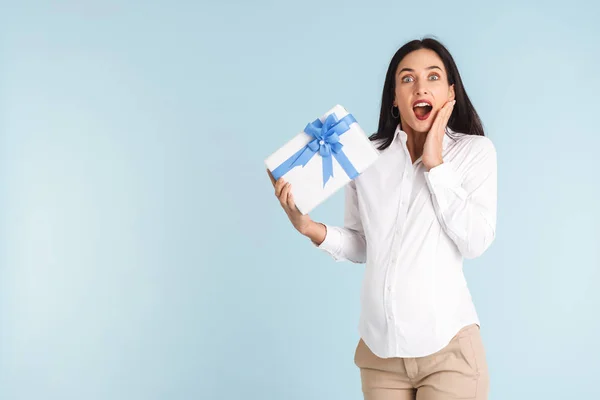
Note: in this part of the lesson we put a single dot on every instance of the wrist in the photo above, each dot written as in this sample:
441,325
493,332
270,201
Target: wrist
307,228
316,232
434,164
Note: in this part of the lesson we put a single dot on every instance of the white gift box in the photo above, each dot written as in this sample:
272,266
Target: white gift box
308,182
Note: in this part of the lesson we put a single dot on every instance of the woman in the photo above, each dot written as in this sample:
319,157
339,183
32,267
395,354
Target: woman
426,204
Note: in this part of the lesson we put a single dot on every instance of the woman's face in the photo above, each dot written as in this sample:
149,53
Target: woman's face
421,89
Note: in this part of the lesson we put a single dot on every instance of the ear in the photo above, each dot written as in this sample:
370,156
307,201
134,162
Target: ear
451,94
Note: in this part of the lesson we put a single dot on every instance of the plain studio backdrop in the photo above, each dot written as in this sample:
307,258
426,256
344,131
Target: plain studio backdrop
144,256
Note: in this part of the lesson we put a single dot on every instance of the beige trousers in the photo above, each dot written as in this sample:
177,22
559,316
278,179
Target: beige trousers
458,371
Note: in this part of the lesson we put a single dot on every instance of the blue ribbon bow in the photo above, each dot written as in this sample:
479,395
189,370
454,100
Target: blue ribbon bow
327,142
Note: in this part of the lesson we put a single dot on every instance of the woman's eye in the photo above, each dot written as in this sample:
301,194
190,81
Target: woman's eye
409,78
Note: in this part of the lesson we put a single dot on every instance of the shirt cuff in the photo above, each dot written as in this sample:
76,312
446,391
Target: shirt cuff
444,177
333,238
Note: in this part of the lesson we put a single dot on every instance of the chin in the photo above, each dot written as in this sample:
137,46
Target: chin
420,126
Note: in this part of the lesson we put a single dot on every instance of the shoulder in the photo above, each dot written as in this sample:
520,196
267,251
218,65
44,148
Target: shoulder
474,144
473,154
377,142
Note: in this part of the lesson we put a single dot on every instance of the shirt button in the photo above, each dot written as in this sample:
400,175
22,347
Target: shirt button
389,288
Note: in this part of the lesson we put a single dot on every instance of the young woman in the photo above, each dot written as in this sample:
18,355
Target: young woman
428,203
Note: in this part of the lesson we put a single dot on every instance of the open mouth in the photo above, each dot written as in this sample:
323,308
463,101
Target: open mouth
422,111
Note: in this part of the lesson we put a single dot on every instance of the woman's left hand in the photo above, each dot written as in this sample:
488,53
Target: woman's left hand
432,150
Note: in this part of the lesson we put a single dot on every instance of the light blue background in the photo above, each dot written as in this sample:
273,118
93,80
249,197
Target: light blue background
144,256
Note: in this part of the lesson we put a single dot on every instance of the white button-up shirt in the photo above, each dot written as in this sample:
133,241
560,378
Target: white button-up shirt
413,228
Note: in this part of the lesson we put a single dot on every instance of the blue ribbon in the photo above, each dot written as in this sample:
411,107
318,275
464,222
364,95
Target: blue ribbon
327,142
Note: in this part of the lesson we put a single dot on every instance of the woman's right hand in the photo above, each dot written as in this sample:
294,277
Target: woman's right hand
284,193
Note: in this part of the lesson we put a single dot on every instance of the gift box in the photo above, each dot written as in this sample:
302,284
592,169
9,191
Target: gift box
330,152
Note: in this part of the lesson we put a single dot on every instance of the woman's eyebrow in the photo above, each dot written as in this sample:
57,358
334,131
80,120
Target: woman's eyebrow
412,70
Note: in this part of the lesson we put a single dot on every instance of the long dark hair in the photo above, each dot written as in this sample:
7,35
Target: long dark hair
464,118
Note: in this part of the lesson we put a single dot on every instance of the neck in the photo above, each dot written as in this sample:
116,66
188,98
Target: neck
415,141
